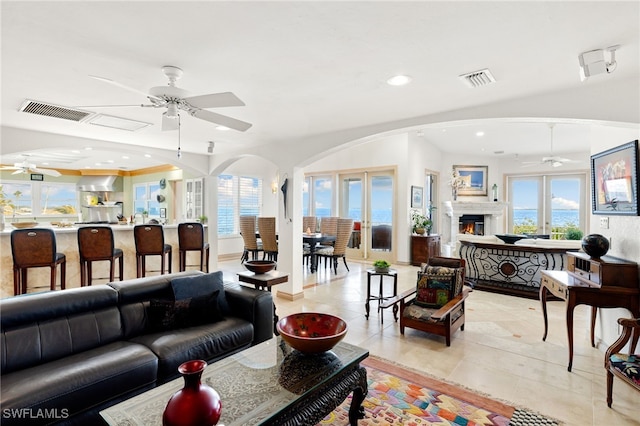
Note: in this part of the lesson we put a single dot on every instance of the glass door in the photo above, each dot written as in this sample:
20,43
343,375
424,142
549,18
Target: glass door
367,198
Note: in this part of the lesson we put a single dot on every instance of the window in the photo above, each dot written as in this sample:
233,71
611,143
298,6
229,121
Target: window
21,198
237,196
318,202
145,199
547,204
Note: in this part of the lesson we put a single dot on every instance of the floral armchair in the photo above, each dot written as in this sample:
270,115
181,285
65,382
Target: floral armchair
624,366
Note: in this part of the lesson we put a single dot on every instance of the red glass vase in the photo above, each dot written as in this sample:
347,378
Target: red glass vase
195,404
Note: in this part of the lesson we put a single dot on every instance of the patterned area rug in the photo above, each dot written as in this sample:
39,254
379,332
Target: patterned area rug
398,396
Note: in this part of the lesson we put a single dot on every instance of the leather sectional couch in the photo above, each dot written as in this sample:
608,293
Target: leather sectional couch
66,355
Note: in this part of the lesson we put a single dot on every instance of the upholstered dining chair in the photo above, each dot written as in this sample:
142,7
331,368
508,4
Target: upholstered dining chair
248,231
436,304
267,230
625,366
339,250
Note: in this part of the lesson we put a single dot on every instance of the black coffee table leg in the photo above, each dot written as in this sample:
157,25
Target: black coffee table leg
356,411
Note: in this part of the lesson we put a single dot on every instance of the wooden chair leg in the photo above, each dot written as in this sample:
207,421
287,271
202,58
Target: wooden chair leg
169,256
344,259
89,273
63,275
52,281
609,388
121,266
16,281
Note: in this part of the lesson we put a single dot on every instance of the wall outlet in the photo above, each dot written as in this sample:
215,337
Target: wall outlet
604,223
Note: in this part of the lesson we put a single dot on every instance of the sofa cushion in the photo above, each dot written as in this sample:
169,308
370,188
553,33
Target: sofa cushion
172,314
208,342
77,382
201,285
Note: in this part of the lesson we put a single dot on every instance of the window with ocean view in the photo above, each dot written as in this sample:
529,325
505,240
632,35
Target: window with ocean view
38,199
551,205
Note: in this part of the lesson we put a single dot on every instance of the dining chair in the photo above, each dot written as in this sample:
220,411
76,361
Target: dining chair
309,223
267,231
339,250
248,232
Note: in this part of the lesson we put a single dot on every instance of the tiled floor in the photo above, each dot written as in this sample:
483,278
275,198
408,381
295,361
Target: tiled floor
500,352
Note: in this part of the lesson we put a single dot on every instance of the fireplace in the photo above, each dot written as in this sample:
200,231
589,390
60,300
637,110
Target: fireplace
471,224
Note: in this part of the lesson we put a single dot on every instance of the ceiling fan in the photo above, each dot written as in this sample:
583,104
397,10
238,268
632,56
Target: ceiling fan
25,168
551,160
175,99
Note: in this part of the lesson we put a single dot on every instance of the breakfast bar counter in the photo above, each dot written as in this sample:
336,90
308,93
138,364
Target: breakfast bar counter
67,243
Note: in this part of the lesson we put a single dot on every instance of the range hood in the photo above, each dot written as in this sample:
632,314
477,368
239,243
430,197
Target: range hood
100,183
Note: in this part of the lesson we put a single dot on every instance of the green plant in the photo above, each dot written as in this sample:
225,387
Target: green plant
418,220
381,264
203,219
573,234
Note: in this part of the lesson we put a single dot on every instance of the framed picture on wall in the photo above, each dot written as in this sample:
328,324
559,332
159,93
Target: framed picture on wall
416,197
614,180
474,178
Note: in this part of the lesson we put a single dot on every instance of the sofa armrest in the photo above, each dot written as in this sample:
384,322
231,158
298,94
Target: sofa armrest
255,306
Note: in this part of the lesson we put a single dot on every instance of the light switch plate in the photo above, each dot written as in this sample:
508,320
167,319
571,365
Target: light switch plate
604,223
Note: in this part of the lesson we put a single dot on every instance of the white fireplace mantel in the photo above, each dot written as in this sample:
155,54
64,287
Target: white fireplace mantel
491,210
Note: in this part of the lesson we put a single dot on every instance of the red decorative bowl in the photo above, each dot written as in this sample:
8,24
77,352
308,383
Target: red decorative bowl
260,266
312,332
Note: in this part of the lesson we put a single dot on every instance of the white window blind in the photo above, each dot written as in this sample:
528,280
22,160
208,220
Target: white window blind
237,195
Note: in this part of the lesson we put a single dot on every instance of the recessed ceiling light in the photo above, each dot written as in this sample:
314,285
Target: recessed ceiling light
223,128
88,148
480,133
147,156
87,167
75,151
98,164
45,164
399,80
125,157
109,161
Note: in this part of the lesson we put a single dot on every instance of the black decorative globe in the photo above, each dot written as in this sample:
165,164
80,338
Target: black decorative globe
595,245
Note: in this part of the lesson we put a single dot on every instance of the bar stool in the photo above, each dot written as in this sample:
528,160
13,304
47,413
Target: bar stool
149,241
95,243
34,248
191,238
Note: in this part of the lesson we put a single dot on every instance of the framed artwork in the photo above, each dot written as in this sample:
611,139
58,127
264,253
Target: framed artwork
416,197
614,180
474,178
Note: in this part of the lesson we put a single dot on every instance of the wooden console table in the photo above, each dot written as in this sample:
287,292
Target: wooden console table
600,283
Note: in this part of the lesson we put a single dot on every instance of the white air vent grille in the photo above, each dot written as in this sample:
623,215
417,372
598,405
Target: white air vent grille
50,110
478,78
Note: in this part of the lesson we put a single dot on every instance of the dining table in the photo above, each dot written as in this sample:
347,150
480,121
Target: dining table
313,239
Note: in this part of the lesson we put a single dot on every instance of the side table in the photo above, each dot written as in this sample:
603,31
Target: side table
265,282
380,296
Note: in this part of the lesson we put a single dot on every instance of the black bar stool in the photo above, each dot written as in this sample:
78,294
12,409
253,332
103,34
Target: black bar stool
149,241
191,238
34,248
95,243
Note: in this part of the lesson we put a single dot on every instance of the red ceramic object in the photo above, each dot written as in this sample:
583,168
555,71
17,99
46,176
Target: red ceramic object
194,405
312,332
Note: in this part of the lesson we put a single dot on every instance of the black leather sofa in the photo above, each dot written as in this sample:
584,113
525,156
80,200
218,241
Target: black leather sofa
66,355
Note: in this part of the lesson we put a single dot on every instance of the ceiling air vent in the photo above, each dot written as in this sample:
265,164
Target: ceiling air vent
478,78
50,110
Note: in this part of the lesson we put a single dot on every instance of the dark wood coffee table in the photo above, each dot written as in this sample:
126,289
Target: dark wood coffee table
267,384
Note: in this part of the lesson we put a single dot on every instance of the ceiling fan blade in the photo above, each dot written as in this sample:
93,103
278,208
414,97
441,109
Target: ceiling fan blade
10,168
169,123
215,100
19,171
122,86
221,120
110,106
49,172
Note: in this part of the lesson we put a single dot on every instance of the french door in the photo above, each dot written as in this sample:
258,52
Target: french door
368,198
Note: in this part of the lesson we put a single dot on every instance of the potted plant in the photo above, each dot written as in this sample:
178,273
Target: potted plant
203,219
381,266
420,223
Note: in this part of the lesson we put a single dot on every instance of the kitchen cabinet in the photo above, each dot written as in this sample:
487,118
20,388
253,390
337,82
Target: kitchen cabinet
194,199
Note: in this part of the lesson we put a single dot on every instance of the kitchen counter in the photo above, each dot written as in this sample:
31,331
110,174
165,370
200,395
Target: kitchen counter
67,243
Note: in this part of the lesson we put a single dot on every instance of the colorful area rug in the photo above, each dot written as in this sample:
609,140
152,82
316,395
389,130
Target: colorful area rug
398,396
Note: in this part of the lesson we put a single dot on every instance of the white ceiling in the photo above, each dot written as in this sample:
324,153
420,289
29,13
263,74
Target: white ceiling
306,68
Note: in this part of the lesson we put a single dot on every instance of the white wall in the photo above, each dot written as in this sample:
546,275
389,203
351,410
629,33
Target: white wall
623,232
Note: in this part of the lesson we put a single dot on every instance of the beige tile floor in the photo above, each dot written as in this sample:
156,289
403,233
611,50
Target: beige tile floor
500,352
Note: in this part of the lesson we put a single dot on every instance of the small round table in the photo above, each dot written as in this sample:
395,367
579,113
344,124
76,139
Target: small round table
380,296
